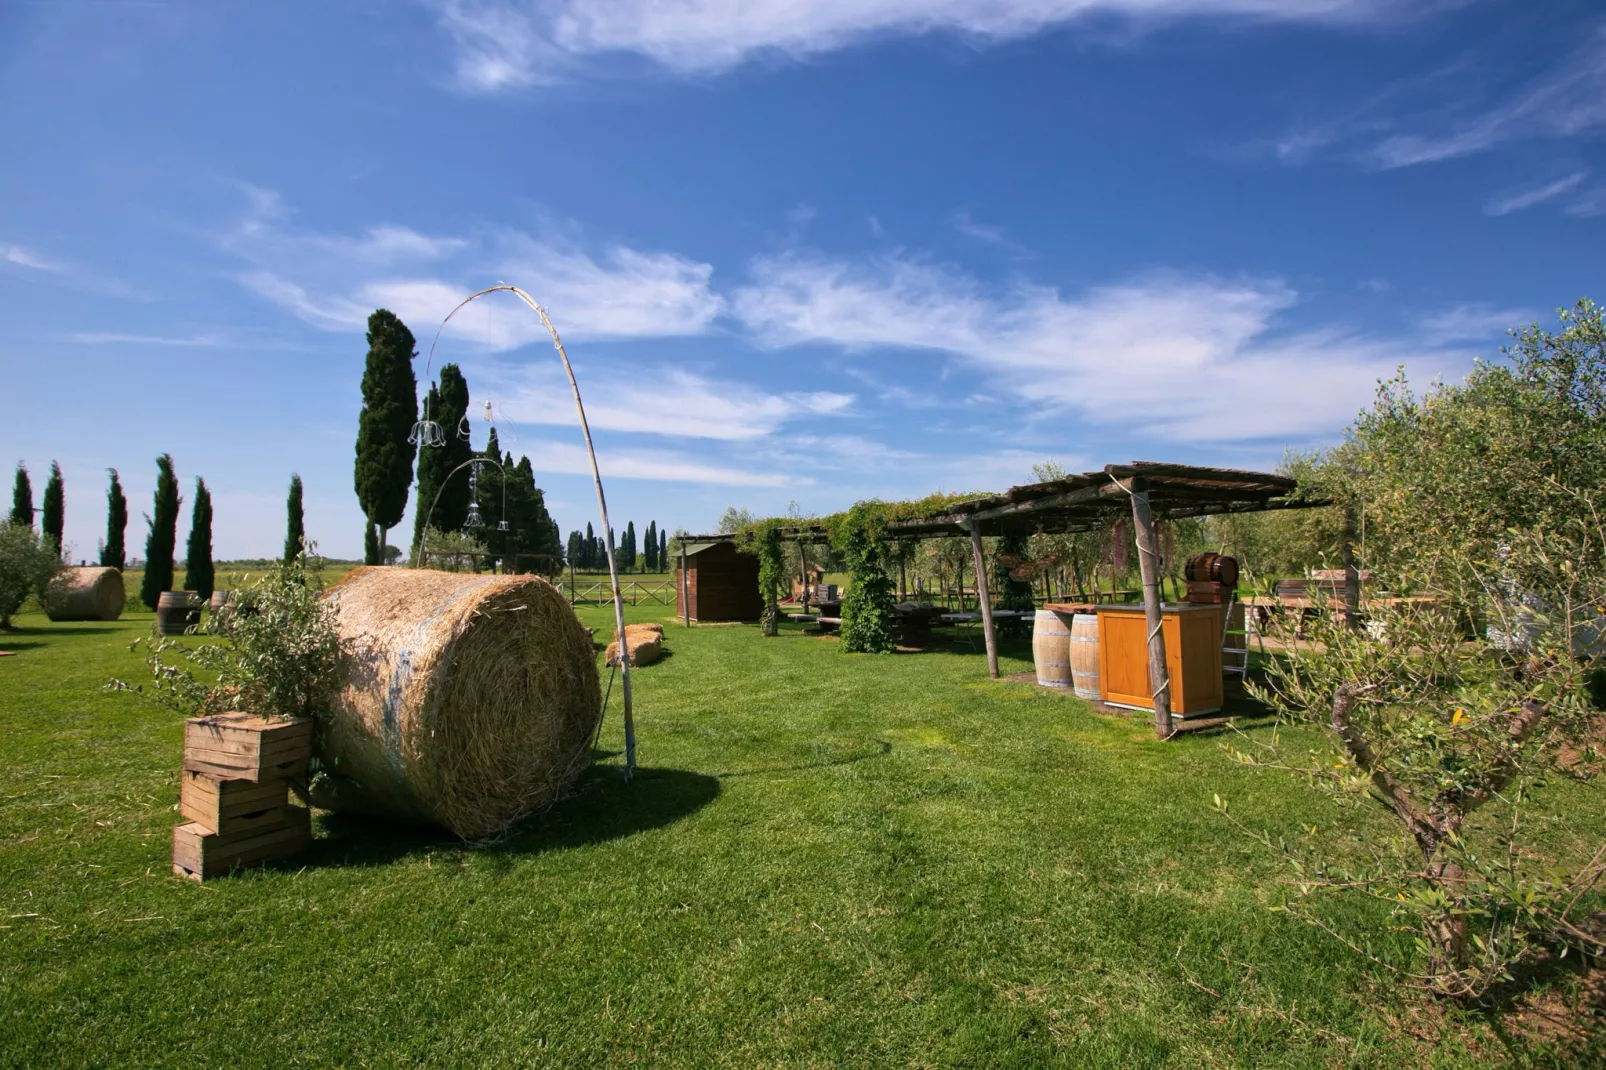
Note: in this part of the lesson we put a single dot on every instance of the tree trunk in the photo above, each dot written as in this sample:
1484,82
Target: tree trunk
1149,569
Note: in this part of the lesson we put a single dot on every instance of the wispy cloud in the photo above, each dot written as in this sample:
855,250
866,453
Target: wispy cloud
673,403
1151,338
569,458
985,233
1475,322
16,254
95,338
1454,112
510,43
1527,198
333,281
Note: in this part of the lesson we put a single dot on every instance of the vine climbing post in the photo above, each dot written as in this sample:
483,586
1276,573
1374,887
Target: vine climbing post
602,507
983,597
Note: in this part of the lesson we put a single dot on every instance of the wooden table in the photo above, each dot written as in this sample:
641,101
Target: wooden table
1192,654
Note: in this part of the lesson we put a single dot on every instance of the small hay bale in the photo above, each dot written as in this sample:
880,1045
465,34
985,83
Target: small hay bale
646,645
85,594
469,701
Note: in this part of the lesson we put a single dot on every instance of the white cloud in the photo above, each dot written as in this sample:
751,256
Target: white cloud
1184,357
510,43
658,465
333,281
1527,198
1478,321
675,402
16,254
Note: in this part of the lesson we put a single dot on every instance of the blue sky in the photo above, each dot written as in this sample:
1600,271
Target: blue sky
799,252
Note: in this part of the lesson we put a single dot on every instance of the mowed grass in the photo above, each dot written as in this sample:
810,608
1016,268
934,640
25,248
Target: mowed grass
825,860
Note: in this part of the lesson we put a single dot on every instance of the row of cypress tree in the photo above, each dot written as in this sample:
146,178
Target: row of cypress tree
587,552
161,538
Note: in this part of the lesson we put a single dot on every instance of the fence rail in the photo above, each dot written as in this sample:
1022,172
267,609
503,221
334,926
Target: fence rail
596,592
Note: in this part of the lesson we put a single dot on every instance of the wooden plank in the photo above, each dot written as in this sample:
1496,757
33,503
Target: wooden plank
229,806
984,596
244,746
199,854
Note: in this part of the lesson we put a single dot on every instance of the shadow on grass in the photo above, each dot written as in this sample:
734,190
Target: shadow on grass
55,630
601,807
879,749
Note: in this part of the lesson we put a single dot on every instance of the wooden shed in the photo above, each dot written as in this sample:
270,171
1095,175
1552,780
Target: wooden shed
720,583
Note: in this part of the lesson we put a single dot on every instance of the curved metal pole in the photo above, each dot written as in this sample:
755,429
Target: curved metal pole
418,547
602,502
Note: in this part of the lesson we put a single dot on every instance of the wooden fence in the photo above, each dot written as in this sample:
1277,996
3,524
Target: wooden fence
592,590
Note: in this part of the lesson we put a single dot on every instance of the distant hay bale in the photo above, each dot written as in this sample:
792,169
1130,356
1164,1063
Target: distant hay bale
646,645
468,700
85,594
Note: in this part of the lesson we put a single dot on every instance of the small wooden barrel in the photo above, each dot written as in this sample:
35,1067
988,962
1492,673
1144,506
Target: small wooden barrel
1084,649
1051,649
177,611
1214,568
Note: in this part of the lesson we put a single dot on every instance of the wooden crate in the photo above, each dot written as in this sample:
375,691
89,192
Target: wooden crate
1192,654
243,746
199,854
229,806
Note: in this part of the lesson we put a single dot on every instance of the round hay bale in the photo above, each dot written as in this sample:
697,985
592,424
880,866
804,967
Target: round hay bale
468,700
85,594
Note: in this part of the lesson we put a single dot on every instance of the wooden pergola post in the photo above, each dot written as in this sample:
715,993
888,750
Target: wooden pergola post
803,572
984,598
685,588
1154,618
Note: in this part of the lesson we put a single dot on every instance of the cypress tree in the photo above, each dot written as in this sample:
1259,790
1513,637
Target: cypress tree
627,547
163,534
574,552
385,457
651,546
591,547
663,549
371,549
114,554
22,498
53,518
295,532
448,405
198,552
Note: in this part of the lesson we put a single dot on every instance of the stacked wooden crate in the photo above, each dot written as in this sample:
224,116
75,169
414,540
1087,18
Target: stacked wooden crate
238,769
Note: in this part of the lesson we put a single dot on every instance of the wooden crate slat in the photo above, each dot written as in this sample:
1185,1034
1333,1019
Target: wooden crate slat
227,806
200,854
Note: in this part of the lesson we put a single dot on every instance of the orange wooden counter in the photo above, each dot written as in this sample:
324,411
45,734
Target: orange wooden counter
1192,653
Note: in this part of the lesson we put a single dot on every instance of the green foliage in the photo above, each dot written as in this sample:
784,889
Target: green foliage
447,405
384,469
627,548
733,520
198,572
663,550
372,551
295,535
860,536
531,529
1010,556
162,535
453,551
22,497
113,553
763,539
278,655
650,547
27,562
53,518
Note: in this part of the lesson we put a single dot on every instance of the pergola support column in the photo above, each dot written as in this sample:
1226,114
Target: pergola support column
685,588
983,597
1153,615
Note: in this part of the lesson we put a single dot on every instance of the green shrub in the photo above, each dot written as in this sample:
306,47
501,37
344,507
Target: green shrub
27,563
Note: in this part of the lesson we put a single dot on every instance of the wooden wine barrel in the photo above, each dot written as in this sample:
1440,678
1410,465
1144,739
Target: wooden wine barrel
1051,649
177,611
1214,568
1084,646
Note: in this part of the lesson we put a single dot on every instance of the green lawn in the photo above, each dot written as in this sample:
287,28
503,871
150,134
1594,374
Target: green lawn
826,860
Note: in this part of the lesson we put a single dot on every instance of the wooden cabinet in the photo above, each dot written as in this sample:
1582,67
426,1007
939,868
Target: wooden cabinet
1192,651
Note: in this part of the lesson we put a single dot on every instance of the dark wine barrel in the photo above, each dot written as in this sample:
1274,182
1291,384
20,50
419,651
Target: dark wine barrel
1212,568
177,611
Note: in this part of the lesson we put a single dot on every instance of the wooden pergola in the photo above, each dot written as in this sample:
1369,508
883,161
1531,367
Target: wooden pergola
1151,490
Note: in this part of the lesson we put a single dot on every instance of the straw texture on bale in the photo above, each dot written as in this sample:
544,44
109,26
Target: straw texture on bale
468,701
85,594
646,644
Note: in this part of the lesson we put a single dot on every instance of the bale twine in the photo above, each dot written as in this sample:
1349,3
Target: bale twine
646,645
85,594
468,700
